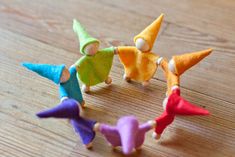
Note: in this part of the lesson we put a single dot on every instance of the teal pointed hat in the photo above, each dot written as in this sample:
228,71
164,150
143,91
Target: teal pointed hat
84,37
52,72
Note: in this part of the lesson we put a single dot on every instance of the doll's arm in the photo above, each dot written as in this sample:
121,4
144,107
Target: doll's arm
111,134
107,129
147,126
127,54
115,50
163,63
75,66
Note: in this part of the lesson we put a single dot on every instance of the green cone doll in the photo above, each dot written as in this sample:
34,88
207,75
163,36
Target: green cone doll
95,65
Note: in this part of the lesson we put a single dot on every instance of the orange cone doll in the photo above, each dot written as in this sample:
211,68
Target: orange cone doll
149,34
178,65
139,62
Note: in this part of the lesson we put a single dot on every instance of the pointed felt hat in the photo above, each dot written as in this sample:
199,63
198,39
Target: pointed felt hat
179,106
66,109
150,33
52,72
185,61
128,127
83,36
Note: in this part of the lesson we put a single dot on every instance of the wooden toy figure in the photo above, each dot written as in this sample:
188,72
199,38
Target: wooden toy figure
174,104
128,133
95,65
59,74
178,65
68,109
138,61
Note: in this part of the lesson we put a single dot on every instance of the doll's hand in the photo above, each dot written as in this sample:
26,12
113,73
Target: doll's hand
63,98
156,136
159,60
96,127
152,123
74,65
115,50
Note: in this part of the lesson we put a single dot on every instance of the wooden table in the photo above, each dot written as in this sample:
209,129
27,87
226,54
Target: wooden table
41,32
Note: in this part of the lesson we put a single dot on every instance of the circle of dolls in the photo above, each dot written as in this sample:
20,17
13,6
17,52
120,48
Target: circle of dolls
140,65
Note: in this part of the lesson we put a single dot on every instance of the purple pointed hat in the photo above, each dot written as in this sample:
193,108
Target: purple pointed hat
128,127
69,109
66,109
127,133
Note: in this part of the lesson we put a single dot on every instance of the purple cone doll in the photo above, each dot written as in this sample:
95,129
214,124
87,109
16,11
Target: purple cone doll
128,133
69,109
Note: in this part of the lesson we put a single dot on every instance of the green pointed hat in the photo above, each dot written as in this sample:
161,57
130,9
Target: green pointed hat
84,37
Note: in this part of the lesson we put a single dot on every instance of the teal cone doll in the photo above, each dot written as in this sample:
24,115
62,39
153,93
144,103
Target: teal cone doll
94,66
59,74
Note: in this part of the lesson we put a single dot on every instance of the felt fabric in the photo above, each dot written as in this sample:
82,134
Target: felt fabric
52,72
69,109
140,137
95,69
127,133
66,109
111,134
138,66
84,37
171,78
185,61
176,105
150,33
84,128
163,121
71,88
128,130
182,63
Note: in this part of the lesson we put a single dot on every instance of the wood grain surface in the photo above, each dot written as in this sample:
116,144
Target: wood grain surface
41,32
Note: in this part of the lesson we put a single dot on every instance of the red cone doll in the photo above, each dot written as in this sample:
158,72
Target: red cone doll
175,105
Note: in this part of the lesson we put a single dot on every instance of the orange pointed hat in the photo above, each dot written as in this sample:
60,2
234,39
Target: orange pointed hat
186,61
150,33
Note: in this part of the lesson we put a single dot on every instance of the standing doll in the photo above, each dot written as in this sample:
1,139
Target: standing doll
70,97
174,104
128,133
69,109
95,64
66,79
138,61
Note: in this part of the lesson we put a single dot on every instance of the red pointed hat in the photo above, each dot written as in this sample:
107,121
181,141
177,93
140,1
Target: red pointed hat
176,105
179,106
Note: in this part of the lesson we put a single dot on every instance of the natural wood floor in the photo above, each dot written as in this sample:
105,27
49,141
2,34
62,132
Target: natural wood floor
41,32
